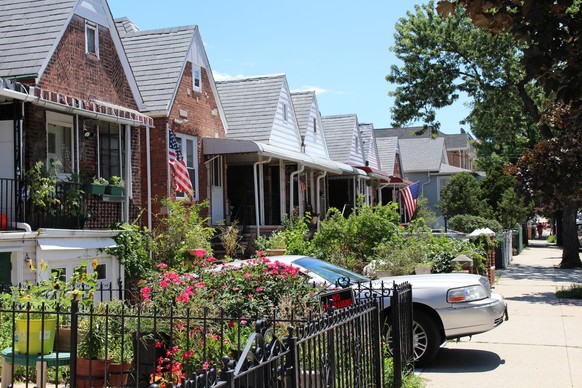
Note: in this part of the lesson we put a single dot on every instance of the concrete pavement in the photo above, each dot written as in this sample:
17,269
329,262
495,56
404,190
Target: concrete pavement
540,345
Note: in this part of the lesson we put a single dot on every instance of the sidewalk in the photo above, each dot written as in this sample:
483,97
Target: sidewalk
540,345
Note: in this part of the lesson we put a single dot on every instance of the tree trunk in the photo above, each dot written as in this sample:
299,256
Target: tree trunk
570,254
559,228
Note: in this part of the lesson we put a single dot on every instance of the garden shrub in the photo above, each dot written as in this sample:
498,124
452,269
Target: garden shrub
467,223
180,230
351,242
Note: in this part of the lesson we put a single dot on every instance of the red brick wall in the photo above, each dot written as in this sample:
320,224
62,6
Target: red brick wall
202,120
72,72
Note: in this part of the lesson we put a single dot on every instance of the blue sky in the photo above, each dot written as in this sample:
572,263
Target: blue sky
338,48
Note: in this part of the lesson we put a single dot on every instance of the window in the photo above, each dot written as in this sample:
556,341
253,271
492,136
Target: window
91,39
284,112
314,125
111,151
101,271
189,146
60,142
196,78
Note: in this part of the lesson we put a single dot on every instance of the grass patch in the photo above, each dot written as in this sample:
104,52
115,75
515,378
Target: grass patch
572,292
409,380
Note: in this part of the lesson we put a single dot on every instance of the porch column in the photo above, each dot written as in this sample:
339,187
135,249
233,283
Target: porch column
149,177
259,194
283,190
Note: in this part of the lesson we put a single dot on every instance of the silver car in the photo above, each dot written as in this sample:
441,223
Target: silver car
446,306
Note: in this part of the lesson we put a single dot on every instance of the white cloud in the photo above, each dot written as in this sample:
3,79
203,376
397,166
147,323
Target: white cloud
226,77
315,89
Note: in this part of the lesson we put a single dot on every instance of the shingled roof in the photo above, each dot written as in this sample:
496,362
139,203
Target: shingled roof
157,58
302,102
388,150
339,134
28,32
250,105
422,154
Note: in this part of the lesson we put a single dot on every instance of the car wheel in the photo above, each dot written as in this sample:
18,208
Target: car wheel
425,338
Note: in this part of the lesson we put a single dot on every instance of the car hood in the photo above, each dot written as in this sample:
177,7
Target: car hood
445,280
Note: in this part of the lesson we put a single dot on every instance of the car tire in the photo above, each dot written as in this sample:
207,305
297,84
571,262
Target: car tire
426,339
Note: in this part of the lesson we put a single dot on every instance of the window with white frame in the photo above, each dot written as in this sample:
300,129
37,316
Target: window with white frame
196,78
442,182
189,146
59,143
111,150
284,112
91,39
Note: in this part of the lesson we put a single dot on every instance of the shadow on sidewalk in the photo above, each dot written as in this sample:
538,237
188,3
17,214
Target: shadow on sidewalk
463,361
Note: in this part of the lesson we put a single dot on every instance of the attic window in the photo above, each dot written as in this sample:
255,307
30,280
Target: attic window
91,39
284,112
314,125
196,78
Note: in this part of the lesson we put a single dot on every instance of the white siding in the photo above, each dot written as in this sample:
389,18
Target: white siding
285,133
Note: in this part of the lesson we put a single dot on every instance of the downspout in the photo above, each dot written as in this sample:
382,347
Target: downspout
291,191
317,196
257,203
128,171
78,145
149,176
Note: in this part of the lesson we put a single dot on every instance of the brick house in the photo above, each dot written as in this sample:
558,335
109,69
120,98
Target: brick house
174,77
68,99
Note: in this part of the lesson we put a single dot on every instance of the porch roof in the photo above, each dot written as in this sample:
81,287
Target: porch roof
96,109
215,146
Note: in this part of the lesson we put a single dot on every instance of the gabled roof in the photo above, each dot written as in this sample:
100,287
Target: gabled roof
404,133
339,134
250,105
447,169
302,102
388,151
157,58
28,33
424,154
458,141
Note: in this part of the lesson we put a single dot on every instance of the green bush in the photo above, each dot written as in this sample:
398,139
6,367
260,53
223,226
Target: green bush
467,223
351,242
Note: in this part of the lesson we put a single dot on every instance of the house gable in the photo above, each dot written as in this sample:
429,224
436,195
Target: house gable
310,125
344,140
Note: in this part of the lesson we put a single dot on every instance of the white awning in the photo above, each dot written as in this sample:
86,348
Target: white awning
62,244
215,146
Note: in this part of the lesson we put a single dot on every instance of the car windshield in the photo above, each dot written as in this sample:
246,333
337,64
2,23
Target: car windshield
329,272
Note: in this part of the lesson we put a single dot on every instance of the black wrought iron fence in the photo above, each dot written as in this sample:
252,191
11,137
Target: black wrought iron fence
193,348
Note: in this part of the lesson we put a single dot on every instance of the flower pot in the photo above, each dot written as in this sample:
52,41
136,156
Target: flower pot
97,189
63,339
91,373
114,190
422,269
35,336
118,374
276,251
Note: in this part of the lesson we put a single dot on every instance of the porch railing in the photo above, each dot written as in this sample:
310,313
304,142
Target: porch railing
70,207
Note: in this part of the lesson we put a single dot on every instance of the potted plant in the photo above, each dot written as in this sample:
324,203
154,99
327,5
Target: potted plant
98,185
116,185
276,243
120,349
91,349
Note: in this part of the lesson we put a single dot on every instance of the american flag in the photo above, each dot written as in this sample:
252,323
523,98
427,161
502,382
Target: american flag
409,195
179,168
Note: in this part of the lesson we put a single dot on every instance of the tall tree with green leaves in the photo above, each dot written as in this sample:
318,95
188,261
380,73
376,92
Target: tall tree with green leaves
550,32
462,195
443,58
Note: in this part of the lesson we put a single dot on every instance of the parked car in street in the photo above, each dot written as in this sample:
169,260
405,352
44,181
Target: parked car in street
445,306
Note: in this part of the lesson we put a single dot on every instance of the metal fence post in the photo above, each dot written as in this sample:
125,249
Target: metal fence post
74,339
377,344
292,362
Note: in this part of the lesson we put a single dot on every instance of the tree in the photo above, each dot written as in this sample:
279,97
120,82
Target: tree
462,195
444,57
550,32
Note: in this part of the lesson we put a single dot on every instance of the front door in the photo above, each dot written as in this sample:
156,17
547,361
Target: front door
217,190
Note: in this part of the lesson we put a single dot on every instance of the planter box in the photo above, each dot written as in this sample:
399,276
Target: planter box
96,189
276,251
114,190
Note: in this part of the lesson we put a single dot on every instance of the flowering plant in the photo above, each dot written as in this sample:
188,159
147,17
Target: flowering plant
236,293
55,294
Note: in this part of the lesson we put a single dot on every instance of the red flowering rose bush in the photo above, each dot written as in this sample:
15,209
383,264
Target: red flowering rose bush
209,311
